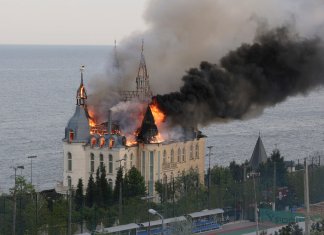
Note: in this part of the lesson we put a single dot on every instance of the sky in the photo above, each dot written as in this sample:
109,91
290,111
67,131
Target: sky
66,22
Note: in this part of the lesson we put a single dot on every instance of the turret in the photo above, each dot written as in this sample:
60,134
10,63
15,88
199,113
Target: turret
78,129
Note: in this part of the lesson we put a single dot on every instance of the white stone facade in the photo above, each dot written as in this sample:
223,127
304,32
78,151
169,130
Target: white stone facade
155,161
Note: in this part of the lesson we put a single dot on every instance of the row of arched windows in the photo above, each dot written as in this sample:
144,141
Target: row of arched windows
181,154
110,167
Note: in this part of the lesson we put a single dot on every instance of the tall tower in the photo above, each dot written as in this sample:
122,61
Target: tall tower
143,91
142,80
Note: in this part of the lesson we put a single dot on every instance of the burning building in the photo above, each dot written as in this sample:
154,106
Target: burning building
87,144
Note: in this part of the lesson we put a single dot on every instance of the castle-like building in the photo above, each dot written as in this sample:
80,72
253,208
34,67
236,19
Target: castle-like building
86,147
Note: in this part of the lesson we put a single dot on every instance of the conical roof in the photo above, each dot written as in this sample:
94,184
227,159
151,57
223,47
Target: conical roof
259,155
148,130
79,124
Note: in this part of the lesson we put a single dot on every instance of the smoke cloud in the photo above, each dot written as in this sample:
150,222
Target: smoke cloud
180,34
277,65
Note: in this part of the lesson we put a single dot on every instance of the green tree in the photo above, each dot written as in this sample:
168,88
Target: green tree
236,171
291,229
134,184
118,183
91,191
98,195
79,197
105,188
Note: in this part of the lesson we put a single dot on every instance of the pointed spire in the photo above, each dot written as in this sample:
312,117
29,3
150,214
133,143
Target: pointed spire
116,62
142,80
142,45
81,70
259,154
81,92
148,130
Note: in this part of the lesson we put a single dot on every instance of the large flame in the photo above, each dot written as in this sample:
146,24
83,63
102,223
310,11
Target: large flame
159,118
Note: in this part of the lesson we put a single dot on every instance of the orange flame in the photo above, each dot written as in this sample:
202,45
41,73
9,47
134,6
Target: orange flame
159,118
158,115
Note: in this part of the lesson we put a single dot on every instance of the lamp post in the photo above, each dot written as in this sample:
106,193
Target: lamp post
15,201
148,199
31,167
120,188
209,179
253,175
154,212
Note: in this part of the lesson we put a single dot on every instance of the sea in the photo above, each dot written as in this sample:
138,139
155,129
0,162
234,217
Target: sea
37,93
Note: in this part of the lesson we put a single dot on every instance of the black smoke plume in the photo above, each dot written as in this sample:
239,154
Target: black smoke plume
277,65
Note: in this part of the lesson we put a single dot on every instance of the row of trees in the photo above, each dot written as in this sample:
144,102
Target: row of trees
230,189
101,194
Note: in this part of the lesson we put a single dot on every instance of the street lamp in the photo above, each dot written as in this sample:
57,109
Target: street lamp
154,212
148,199
31,167
15,200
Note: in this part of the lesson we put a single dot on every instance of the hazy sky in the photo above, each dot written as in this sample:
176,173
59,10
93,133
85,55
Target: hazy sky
69,21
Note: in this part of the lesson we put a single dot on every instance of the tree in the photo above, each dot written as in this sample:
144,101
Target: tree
98,195
318,227
105,188
79,198
236,171
291,229
22,187
118,183
134,184
90,193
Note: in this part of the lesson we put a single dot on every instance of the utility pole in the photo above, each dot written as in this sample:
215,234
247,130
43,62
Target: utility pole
15,201
306,196
274,186
209,178
253,175
31,168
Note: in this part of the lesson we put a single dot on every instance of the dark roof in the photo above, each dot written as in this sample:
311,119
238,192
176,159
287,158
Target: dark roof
259,155
148,130
79,124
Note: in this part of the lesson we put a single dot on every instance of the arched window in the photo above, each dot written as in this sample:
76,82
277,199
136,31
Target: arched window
131,160
165,179
172,155
102,142
125,162
92,162
93,141
110,167
191,152
164,156
179,155
110,182
71,136
69,161
197,151
69,182
183,154
101,158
